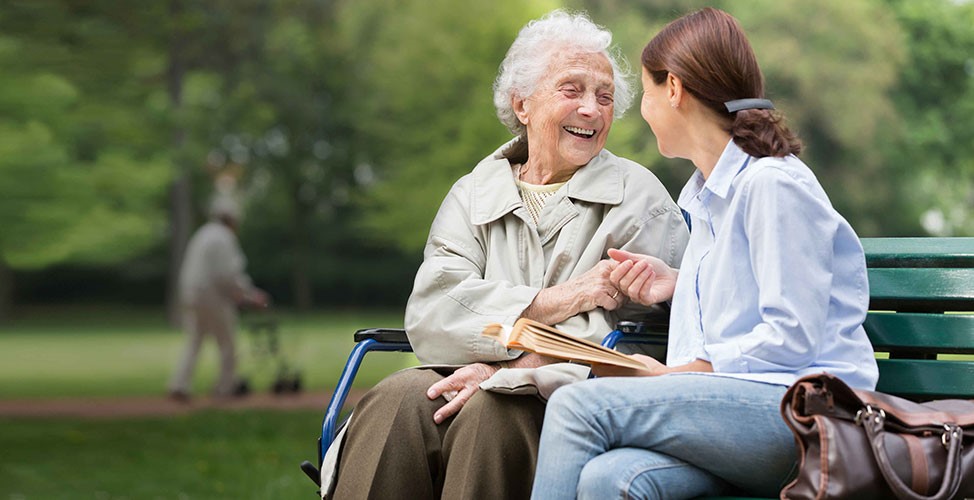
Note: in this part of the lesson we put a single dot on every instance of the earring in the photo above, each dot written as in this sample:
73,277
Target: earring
674,105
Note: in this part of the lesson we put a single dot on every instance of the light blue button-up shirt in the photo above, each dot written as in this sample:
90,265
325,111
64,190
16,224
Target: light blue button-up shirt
773,283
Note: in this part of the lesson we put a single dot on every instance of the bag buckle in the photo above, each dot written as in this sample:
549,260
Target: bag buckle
878,417
950,432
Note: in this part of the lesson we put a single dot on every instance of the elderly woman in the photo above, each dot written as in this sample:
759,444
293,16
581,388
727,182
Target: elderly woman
523,235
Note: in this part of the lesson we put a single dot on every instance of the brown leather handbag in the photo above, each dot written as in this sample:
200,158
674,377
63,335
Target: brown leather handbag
863,444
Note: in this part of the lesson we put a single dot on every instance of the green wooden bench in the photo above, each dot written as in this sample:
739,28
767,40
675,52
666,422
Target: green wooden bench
921,319
921,322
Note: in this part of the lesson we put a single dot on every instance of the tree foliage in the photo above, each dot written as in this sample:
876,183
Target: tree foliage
812,75
934,96
346,122
80,172
425,100
81,178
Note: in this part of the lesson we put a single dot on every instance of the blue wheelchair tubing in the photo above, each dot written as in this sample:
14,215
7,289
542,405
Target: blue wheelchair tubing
330,422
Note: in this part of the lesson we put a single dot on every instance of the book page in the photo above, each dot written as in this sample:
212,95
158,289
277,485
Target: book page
498,332
530,335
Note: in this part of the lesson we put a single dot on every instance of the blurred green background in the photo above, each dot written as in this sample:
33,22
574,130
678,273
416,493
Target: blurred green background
342,124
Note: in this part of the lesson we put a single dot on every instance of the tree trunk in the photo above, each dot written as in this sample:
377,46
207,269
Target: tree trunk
180,199
180,224
301,267
6,291
300,280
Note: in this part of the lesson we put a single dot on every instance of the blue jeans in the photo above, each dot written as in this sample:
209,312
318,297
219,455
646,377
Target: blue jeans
670,437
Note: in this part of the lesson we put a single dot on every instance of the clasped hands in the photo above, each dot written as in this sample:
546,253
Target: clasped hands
644,279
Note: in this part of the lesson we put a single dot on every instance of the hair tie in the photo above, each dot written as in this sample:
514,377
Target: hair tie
742,104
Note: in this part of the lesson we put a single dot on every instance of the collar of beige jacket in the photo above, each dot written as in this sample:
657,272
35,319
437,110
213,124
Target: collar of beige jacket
494,193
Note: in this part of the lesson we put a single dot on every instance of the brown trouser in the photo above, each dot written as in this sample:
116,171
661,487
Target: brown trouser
394,450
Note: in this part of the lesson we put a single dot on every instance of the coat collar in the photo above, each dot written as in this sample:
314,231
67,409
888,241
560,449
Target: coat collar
495,194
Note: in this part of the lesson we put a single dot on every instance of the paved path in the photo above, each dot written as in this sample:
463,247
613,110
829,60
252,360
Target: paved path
159,406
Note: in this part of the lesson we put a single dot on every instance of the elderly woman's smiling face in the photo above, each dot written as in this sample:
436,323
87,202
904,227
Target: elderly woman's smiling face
569,114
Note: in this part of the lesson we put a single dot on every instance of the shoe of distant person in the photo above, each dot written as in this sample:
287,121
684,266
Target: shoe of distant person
179,396
241,389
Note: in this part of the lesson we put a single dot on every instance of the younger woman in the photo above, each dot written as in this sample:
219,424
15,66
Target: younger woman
772,287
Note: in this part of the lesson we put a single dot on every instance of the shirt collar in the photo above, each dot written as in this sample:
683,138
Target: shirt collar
495,194
731,162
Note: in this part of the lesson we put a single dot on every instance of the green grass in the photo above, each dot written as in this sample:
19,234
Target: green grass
104,351
113,351
212,454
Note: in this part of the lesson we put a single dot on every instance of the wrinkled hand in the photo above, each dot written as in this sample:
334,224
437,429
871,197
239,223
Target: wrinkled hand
653,368
592,289
458,388
645,279
595,288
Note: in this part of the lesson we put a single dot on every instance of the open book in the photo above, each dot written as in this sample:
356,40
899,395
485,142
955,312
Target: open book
529,335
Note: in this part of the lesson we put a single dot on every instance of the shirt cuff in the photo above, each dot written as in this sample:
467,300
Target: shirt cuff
489,350
727,358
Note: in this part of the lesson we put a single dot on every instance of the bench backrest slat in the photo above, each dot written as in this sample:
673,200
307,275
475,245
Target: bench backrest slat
926,379
919,252
947,333
921,289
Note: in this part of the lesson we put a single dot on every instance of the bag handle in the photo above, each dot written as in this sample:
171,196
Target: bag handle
872,421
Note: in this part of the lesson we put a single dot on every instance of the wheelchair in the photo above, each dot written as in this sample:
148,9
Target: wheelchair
648,330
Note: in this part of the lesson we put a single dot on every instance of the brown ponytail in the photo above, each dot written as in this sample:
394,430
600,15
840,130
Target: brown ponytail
708,50
763,132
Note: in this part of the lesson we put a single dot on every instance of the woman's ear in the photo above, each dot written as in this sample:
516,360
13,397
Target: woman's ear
520,108
674,90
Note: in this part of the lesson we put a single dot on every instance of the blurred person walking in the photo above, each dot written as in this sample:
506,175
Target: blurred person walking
212,284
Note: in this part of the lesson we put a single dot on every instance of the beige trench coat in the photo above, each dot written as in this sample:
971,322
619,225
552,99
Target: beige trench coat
485,260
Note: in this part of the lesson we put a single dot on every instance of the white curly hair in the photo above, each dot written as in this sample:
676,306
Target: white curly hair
527,61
